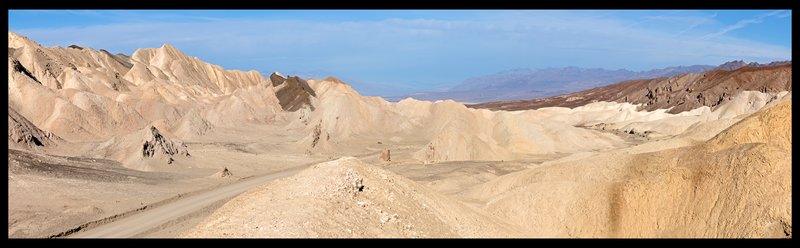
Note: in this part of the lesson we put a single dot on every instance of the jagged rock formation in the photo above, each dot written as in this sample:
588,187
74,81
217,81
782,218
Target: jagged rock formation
23,134
21,69
146,149
319,137
157,144
316,134
293,92
386,155
678,93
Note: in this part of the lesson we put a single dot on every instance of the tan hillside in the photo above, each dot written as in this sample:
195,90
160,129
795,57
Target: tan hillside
715,189
348,198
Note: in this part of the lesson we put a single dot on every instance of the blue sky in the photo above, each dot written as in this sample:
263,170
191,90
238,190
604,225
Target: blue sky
394,52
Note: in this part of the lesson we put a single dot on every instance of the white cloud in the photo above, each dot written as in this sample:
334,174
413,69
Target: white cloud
744,23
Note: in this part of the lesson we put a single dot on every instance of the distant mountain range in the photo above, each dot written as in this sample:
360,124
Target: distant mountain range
677,94
523,84
736,64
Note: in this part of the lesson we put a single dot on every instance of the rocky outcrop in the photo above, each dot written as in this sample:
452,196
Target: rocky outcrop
318,140
386,155
316,134
223,173
293,92
23,134
21,69
156,145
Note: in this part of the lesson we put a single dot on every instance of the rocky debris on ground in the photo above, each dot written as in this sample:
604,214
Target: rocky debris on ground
224,173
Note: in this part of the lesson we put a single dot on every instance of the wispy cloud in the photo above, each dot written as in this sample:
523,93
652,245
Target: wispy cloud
696,23
744,23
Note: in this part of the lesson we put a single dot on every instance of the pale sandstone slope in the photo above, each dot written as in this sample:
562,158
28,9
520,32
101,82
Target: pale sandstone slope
73,115
457,133
347,198
88,95
454,132
737,184
167,64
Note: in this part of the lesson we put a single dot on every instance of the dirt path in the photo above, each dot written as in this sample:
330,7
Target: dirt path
146,220
170,213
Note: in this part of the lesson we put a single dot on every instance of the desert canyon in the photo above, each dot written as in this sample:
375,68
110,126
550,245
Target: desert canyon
159,143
